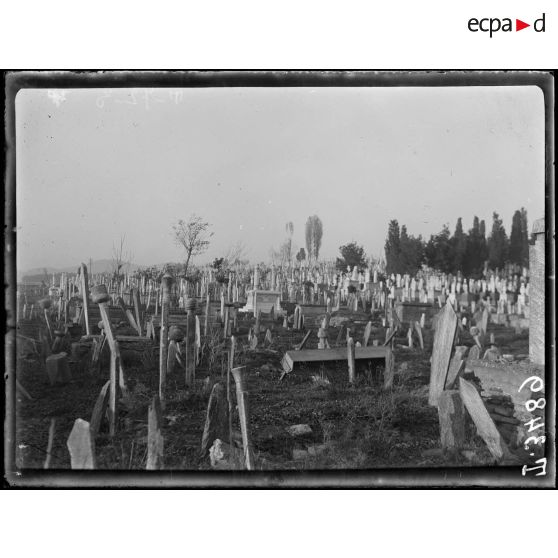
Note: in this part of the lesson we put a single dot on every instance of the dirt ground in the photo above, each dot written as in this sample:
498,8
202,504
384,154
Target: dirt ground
353,427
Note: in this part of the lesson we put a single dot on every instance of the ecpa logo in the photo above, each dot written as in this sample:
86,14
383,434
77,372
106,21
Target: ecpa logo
494,24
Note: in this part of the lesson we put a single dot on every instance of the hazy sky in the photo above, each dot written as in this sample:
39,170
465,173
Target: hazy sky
95,164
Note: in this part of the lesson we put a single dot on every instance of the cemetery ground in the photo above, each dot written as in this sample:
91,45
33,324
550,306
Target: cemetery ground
358,426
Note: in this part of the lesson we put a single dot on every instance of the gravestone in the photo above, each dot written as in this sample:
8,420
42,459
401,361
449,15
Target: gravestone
217,419
264,301
441,351
367,332
81,446
451,415
485,426
58,369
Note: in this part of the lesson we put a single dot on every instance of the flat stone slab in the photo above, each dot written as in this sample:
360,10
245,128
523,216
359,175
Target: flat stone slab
329,355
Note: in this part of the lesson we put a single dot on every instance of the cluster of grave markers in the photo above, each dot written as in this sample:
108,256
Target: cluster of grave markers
452,393
81,442
150,310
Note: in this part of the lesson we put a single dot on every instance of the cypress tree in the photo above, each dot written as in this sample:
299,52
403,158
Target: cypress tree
393,248
459,246
497,244
516,239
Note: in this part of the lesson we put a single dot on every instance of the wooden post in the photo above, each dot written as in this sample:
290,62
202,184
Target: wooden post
206,321
226,322
113,394
99,410
197,341
190,344
67,310
229,400
163,338
156,302
51,431
233,349
351,359
389,371
85,296
137,309
155,440
243,411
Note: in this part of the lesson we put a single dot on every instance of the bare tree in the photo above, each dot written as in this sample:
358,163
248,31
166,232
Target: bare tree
121,257
193,235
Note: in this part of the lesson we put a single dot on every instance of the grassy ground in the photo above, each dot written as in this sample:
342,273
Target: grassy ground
353,427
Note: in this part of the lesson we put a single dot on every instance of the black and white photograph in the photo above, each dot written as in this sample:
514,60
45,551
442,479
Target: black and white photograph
280,279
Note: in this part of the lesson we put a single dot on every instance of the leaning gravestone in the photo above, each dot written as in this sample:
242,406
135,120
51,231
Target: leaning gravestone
99,410
456,365
485,426
81,446
441,352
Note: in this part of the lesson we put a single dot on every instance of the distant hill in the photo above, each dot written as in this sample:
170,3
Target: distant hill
37,274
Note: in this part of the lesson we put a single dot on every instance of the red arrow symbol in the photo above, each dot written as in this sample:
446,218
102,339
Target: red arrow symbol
519,25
